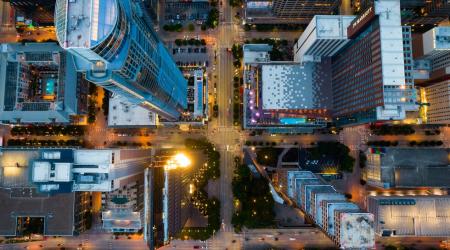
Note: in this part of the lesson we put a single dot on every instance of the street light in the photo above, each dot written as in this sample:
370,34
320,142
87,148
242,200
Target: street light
179,160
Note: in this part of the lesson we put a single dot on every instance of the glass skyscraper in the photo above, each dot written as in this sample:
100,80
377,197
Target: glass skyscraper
115,45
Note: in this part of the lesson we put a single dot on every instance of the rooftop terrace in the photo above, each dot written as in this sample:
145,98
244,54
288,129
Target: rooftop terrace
87,22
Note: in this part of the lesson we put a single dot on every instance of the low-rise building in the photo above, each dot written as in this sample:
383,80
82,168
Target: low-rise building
343,221
413,216
408,167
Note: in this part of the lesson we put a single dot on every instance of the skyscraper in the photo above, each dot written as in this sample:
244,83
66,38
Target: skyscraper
368,75
116,47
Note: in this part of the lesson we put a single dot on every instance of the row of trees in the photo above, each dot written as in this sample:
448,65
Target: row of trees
238,53
260,143
271,27
253,200
237,107
44,143
383,143
386,129
190,42
132,144
48,130
178,27
426,143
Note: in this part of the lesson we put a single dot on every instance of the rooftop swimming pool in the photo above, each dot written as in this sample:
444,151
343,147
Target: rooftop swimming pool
292,121
50,87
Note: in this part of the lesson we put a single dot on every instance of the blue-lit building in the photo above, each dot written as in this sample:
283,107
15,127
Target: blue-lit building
116,47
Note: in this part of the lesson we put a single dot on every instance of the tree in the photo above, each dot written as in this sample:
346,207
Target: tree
213,18
179,42
191,27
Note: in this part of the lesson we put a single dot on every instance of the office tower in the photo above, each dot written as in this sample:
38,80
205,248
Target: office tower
324,37
368,75
391,167
38,84
411,215
114,44
93,170
167,199
343,221
282,96
305,9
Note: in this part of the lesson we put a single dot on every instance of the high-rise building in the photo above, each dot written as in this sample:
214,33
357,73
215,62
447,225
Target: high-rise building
166,200
61,214
324,36
306,9
368,75
117,48
97,170
38,84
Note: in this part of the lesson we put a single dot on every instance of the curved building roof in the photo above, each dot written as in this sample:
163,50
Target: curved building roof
84,23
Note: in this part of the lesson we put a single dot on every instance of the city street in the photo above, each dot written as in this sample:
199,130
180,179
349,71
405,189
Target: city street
227,138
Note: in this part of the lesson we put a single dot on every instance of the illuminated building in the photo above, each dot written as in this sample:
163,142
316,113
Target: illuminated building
411,216
38,84
389,167
368,76
115,46
281,96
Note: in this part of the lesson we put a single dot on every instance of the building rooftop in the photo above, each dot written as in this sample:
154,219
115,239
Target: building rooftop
286,86
87,22
57,210
415,167
357,231
14,167
411,215
256,53
123,113
437,38
37,83
45,172
121,219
